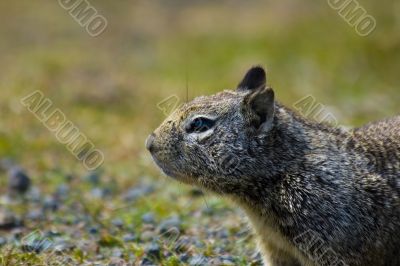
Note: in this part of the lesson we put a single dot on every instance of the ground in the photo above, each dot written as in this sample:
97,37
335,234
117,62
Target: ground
111,87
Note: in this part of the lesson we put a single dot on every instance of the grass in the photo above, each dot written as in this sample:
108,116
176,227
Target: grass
109,86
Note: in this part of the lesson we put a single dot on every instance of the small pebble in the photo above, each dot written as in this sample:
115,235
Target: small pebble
52,234
198,243
6,164
198,260
138,192
34,195
117,262
148,218
227,260
132,257
100,257
223,233
243,233
153,251
208,211
129,237
170,226
93,230
3,241
182,244
9,221
69,177
117,222
93,178
100,193
219,250
62,191
184,258
117,253
18,180
62,246
146,262
35,215
147,236
50,204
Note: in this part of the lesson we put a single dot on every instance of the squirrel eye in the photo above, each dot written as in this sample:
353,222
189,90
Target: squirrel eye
199,125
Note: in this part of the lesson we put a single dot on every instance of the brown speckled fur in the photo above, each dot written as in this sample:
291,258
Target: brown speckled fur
293,177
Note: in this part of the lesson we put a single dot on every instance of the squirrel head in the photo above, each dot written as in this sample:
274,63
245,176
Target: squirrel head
206,142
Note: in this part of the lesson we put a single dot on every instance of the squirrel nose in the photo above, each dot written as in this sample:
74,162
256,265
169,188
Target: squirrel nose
149,142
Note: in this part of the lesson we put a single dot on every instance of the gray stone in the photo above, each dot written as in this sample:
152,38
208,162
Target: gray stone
148,218
138,192
198,260
18,180
153,251
170,226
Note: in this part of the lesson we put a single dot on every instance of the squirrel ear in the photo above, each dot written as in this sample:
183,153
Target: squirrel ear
260,106
255,78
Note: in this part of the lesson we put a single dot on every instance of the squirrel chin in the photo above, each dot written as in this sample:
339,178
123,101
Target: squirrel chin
180,178
166,170
171,173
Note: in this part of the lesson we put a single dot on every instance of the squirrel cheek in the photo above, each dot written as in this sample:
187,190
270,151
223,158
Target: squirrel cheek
202,137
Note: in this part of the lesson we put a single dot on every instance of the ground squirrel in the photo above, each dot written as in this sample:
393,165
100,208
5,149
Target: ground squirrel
315,194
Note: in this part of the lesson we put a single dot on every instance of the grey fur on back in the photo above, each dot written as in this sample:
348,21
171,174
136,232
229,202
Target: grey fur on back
315,194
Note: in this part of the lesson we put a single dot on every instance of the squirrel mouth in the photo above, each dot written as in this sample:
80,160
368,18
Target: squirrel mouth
165,168
170,172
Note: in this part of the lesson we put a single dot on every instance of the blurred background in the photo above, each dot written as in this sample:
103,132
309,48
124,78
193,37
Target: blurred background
109,87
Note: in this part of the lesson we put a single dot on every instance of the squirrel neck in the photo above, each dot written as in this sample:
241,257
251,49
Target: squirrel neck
296,164
296,145
295,140
295,154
